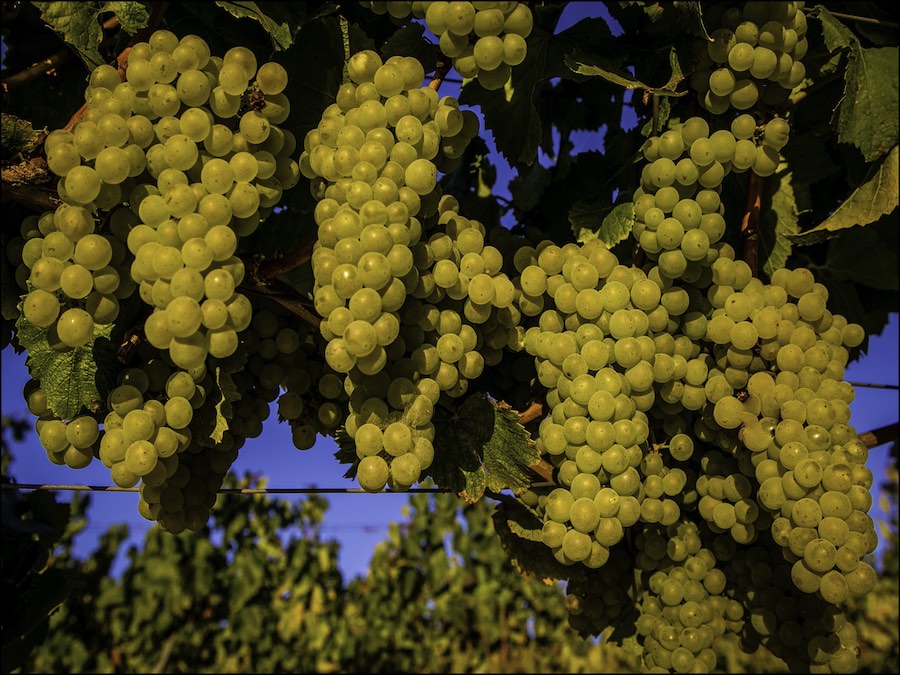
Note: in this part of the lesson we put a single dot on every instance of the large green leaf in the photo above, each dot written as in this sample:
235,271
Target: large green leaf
17,135
76,23
520,535
510,112
132,15
873,199
480,445
509,453
211,420
410,41
867,255
280,33
74,379
867,113
320,48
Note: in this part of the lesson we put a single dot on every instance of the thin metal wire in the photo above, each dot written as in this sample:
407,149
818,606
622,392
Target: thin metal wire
873,385
241,491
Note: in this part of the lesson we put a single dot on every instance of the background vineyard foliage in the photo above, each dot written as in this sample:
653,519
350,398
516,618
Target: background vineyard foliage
439,596
831,209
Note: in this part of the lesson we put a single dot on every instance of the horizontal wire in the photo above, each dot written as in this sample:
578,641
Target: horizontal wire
874,385
240,491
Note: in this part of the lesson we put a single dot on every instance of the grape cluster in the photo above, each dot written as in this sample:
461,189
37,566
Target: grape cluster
677,206
484,39
756,55
692,405
159,179
374,161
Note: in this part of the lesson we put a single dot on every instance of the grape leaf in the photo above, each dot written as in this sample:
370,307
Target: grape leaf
867,255
509,452
279,32
76,23
600,220
777,222
836,34
211,419
132,16
346,452
17,135
510,112
519,530
691,18
605,67
460,433
410,41
867,113
480,446
320,48
873,199
72,379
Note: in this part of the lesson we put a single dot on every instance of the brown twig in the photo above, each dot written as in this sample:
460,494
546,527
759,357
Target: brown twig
880,436
544,469
440,70
535,410
284,295
860,19
44,66
40,68
38,196
750,223
283,263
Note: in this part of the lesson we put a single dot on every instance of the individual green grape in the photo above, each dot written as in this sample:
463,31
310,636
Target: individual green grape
776,132
372,473
271,78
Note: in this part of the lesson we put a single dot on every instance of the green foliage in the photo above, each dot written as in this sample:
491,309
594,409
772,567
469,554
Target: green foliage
76,23
18,136
481,446
33,525
77,378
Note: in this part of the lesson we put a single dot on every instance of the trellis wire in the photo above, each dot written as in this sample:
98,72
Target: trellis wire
236,491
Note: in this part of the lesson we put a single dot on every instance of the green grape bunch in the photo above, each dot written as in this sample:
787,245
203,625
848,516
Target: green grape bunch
484,40
756,55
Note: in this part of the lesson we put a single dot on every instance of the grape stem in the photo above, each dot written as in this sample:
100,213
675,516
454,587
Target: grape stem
284,295
880,436
531,413
860,19
43,198
750,223
440,70
283,263
655,115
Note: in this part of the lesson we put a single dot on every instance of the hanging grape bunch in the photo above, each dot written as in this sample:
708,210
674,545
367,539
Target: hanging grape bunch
185,155
485,40
756,55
